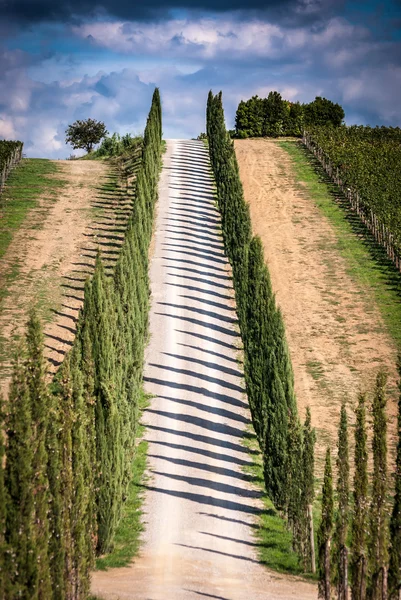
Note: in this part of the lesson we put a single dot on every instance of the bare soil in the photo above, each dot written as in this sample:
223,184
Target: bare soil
55,249
335,332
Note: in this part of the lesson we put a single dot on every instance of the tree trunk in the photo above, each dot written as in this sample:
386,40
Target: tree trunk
327,573
343,574
311,540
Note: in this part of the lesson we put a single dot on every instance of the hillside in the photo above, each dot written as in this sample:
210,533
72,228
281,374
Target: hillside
337,336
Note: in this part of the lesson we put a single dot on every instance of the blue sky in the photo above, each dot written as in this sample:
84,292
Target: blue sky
80,59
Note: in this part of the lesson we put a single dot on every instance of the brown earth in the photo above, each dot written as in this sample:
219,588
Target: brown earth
55,250
335,332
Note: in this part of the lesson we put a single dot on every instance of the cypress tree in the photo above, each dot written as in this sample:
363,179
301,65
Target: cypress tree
341,550
378,552
395,523
36,372
294,482
358,560
325,531
22,565
308,494
3,547
55,477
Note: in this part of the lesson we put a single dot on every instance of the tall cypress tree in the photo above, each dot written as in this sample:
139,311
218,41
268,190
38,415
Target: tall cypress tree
378,552
308,494
358,560
3,513
21,556
395,523
325,531
39,399
341,550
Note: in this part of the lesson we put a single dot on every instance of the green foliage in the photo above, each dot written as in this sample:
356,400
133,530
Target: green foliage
10,155
116,145
369,162
325,531
307,469
340,549
358,560
70,447
378,551
3,508
268,371
395,523
275,117
85,134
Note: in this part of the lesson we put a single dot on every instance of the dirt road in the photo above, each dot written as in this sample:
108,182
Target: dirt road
336,334
200,509
55,250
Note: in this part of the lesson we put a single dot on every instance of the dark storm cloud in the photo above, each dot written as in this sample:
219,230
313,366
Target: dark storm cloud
27,12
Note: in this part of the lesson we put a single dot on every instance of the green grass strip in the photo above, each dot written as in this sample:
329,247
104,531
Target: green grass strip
367,263
26,183
272,538
127,538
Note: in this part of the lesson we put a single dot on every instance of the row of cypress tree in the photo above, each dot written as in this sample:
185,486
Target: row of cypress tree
359,539
66,449
287,446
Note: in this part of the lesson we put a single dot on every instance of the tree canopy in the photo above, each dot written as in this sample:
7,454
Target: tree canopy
85,134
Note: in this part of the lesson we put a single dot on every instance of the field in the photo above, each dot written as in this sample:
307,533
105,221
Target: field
61,213
338,337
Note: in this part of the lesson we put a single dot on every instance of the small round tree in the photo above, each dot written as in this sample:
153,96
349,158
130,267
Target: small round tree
85,134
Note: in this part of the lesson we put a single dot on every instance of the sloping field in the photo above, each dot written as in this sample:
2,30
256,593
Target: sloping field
53,252
336,333
200,507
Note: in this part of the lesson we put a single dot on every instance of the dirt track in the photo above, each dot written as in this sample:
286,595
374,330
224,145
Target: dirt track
55,249
200,509
336,335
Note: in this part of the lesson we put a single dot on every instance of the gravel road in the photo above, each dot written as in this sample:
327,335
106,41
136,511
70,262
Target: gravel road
200,510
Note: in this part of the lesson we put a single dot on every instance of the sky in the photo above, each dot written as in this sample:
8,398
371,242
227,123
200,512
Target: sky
74,59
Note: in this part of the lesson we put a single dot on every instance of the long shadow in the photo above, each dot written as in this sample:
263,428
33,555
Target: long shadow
192,239
59,313
202,291
221,428
196,216
203,439
203,452
204,377
204,324
221,412
204,239
206,500
70,329
208,365
209,303
205,467
211,215
229,539
191,262
196,272
201,311
59,339
248,559
205,595
198,203
206,259
210,235
214,284
202,250
194,190
206,338
207,351
188,221
238,521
